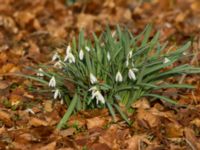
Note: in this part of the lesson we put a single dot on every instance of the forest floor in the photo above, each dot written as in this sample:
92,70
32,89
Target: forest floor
31,30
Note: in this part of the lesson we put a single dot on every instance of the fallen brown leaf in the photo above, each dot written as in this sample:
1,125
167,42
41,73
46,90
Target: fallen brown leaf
95,122
37,122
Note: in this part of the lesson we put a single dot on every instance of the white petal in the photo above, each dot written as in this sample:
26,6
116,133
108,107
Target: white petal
52,82
108,56
40,74
130,54
55,57
93,79
131,74
68,50
70,58
166,60
58,64
118,77
87,48
57,94
100,97
81,54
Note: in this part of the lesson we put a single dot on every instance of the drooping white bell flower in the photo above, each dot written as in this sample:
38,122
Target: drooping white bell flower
108,56
130,54
131,74
70,58
81,54
52,82
55,57
58,64
118,77
166,60
98,96
87,48
40,72
68,50
93,79
57,94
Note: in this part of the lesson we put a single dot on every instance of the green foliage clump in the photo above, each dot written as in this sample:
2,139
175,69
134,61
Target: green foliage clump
113,69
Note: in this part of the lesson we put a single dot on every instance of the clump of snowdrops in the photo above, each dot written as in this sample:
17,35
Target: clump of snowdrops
113,70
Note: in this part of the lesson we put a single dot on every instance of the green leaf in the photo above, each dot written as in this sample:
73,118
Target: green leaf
68,112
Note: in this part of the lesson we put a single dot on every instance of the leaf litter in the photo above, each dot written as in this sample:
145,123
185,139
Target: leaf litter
31,30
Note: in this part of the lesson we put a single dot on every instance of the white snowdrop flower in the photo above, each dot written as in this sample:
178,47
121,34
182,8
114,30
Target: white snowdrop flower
118,77
130,54
98,96
184,53
28,110
94,88
58,64
70,58
113,33
52,82
57,94
39,73
87,48
68,50
55,57
108,56
131,74
93,79
166,60
81,54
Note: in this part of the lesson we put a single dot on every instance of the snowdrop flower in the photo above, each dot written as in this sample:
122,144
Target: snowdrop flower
40,74
58,64
55,57
28,110
93,79
130,54
56,94
93,89
108,56
166,60
81,54
98,96
52,82
70,57
131,74
87,48
118,77
68,50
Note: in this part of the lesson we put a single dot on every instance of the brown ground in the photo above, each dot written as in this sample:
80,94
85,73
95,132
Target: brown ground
30,30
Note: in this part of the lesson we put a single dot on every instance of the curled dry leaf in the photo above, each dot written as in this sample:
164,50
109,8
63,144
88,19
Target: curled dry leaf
148,117
95,122
142,103
174,130
37,122
134,142
5,117
196,122
48,105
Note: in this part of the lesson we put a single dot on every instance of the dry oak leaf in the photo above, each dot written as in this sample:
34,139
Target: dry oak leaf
48,105
37,122
174,130
191,139
50,146
142,103
147,116
67,132
196,122
95,122
134,142
110,137
5,117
